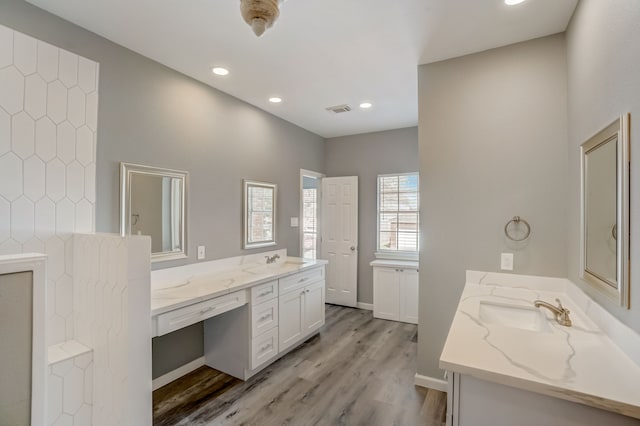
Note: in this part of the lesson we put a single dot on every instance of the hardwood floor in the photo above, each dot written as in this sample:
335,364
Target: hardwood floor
358,371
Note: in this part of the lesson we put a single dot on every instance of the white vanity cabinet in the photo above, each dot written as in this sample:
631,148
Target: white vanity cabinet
301,307
472,402
395,290
279,315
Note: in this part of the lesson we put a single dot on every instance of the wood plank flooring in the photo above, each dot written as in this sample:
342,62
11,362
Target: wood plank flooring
358,371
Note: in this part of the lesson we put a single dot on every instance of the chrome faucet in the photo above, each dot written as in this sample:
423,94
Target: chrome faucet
561,313
272,259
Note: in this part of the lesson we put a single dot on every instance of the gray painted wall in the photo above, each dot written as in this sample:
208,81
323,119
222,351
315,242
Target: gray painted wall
493,138
150,114
366,156
604,82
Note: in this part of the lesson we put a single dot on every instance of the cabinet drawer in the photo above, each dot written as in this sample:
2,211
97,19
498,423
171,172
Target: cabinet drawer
264,317
263,292
301,279
264,348
183,317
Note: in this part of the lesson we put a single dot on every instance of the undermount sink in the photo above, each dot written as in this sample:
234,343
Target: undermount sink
514,316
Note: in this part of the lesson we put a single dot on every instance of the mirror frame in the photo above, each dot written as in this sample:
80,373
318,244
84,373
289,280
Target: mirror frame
619,128
127,170
246,184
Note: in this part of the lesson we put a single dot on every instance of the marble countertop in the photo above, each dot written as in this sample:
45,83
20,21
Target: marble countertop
579,363
182,286
392,263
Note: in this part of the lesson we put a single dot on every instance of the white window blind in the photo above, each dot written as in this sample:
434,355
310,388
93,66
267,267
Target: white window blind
310,223
398,212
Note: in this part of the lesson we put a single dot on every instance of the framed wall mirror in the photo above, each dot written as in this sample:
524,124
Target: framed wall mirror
259,217
605,210
153,202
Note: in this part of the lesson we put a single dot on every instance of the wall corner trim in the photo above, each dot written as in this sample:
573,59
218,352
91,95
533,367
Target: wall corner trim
430,382
165,379
365,306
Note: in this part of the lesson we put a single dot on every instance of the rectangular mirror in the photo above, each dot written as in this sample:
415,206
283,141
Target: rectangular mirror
259,218
605,210
152,202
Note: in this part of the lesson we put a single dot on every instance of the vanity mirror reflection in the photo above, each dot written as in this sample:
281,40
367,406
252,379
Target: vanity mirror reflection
259,214
153,202
605,210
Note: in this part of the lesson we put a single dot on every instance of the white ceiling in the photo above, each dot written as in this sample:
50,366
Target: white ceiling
320,53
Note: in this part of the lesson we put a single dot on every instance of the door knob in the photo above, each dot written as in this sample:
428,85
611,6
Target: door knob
353,248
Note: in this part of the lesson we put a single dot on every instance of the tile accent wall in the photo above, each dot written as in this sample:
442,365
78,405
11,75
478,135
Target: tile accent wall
112,311
48,123
69,391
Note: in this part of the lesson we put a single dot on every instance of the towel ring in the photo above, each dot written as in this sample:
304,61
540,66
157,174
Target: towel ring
516,220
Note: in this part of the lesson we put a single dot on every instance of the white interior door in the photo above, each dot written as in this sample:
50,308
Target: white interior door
340,238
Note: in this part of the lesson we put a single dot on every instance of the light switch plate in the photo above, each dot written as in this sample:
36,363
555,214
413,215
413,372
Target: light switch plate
294,222
506,261
201,252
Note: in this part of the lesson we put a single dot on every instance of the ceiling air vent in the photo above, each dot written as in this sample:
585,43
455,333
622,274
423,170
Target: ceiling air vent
339,109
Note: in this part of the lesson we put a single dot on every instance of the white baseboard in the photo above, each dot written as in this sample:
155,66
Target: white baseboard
177,373
430,382
365,306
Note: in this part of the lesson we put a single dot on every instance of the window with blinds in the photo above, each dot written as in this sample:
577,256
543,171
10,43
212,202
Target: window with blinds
398,211
260,212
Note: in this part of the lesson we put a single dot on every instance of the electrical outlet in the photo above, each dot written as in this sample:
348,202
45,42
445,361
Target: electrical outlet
506,261
294,222
201,252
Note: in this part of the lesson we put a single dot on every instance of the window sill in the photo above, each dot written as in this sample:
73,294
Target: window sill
397,256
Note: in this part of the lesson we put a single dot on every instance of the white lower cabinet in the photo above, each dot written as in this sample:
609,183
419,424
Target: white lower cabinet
301,313
291,312
264,347
475,402
395,293
313,307
280,314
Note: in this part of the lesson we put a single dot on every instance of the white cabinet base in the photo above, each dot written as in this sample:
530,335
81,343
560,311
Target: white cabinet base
281,315
477,402
395,293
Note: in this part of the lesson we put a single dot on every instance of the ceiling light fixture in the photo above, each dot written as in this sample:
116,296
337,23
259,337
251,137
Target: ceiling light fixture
275,100
260,14
366,105
220,71
512,2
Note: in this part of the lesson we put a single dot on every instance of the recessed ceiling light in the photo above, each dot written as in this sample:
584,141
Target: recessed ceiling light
275,100
512,2
220,71
366,105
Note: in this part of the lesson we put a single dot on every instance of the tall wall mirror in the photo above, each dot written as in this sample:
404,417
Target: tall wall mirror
259,217
153,202
605,210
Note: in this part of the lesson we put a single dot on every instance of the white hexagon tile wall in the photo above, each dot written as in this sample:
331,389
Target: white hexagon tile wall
48,124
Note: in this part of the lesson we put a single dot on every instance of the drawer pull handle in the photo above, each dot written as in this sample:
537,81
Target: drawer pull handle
265,347
301,280
265,293
209,309
264,317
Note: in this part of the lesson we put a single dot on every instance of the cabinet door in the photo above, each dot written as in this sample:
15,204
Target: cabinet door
386,303
290,318
409,295
313,307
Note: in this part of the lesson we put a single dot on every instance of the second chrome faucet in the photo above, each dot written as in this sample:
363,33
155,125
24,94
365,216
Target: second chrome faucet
560,312
272,259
